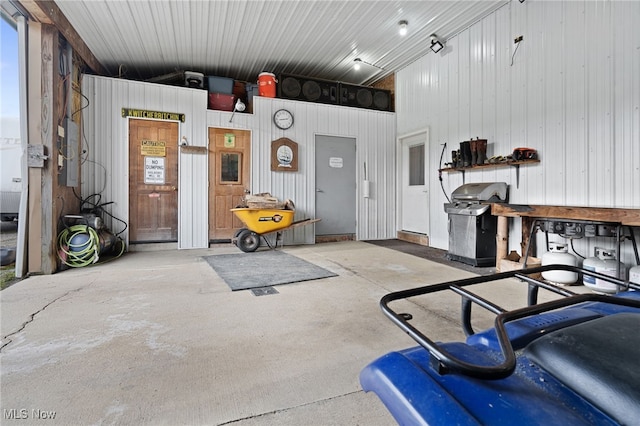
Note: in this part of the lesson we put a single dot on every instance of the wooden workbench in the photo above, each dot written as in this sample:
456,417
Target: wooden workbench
529,213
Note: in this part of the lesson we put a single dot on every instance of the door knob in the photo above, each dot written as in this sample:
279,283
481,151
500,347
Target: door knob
319,190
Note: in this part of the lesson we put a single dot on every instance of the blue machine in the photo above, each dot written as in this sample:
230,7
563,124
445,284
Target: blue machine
572,361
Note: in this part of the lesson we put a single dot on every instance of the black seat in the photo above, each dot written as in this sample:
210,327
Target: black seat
599,360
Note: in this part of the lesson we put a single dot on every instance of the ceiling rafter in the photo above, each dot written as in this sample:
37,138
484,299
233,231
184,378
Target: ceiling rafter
47,12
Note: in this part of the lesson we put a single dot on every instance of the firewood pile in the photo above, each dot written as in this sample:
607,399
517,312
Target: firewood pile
265,201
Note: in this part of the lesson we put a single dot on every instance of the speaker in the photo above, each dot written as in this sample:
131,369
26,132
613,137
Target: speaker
307,89
365,97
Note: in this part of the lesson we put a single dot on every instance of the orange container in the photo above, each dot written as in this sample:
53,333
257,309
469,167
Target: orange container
267,85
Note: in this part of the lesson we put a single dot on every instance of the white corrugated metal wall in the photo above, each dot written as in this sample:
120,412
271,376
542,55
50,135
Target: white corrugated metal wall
107,145
106,168
374,132
571,91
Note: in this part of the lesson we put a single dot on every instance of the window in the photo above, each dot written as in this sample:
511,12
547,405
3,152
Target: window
416,165
230,167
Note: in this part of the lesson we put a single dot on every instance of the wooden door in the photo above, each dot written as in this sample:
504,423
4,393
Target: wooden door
229,179
153,181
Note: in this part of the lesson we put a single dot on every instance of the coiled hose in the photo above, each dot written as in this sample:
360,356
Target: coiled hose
81,252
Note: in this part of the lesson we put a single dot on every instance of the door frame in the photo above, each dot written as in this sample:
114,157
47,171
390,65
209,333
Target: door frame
212,179
315,183
128,174
400,170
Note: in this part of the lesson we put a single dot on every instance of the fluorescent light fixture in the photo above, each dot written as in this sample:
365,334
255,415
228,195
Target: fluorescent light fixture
403,27
357,64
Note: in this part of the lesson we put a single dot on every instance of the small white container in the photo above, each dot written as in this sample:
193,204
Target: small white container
604,262
558,254
634,274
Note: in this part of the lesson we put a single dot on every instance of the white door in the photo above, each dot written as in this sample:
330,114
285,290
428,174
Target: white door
415,195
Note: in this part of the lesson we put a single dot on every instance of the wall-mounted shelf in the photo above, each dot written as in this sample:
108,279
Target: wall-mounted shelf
515,164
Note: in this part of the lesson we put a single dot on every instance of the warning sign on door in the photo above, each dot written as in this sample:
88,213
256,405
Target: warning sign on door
155,148
154,170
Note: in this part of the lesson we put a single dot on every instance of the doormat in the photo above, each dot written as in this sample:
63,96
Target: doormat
263,269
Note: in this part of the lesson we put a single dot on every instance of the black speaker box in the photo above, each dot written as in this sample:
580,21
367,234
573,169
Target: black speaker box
365,97
308,89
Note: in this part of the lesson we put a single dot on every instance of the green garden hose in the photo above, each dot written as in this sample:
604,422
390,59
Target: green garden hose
78,255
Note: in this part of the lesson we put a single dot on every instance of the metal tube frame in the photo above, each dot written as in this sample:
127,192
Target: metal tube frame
444,362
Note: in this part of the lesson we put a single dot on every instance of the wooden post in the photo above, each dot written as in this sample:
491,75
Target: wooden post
34,263
47,196
502,240
527,222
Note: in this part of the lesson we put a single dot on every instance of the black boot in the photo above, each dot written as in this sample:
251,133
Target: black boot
465,149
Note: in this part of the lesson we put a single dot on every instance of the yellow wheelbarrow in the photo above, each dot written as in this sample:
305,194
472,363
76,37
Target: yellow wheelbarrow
260,222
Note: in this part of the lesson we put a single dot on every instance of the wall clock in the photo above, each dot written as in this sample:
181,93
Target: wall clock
283,119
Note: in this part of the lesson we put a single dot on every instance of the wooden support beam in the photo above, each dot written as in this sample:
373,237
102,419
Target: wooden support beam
49,98
628,217
47,12
502,240
35,112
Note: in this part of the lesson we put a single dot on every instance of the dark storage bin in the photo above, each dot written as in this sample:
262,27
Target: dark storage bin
252,90
220,85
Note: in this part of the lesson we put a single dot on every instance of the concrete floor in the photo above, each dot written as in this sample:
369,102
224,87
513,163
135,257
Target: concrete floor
158,338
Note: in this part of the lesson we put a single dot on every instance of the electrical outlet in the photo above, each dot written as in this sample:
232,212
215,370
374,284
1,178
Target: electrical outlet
518,39
60,160
61,131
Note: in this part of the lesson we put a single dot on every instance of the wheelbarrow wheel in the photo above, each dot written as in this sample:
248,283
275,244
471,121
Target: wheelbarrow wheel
248,241
238,232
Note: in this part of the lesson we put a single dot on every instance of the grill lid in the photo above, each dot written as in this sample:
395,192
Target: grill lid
494,192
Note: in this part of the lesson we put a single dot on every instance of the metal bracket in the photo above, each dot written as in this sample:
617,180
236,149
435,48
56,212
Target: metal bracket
35,156
517,166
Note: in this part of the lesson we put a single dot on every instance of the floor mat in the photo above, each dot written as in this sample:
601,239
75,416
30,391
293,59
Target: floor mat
431,253
264,268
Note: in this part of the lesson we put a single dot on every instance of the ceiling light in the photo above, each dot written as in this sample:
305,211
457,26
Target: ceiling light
436,44
357,64
403,27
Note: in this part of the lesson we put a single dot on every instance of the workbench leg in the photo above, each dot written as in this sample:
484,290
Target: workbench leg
527,245
528,241
502,240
